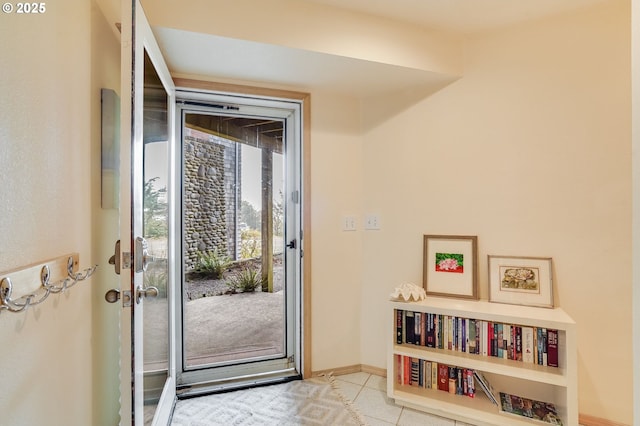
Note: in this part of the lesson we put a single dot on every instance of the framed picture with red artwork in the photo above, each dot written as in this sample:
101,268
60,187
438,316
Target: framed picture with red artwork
451,266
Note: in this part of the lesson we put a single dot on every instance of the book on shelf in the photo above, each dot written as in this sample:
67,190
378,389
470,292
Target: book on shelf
399,369
471,337
500,341
415,372
518,343
444,338
406,369
483,330
545,360
409,325
470,383
541,342
443,377
552,348
434,375
417,328
427,374
525,407
486,387
527,344
430,340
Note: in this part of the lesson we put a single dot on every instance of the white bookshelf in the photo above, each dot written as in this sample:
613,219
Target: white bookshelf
557,385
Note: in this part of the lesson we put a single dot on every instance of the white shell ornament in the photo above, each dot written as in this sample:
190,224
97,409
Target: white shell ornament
408,292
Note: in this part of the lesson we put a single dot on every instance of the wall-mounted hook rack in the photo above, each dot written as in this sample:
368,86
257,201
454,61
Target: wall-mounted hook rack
64,269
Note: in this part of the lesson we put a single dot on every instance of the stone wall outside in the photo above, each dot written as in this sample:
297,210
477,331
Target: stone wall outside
210,180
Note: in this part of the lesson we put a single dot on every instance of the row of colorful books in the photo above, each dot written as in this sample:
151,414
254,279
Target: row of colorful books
535,345
417,372
426,374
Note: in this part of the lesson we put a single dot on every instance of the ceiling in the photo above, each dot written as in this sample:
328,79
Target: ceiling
253,62
462,16
303,69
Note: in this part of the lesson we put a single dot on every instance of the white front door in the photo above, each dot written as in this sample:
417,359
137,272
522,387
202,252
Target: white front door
147,232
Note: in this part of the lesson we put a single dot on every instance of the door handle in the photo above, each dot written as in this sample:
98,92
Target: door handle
151,292
113,295
142,259
115,259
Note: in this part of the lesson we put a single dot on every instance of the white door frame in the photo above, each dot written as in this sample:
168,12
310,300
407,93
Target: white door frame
204,380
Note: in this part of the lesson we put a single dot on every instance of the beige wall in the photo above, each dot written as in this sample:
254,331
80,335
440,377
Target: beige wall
53,66
105,67
530,151
45,212
336,187
635,126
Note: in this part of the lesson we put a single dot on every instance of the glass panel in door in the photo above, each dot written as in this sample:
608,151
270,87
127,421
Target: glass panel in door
155,232
233,207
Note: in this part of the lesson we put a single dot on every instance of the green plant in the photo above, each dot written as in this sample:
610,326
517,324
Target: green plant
250,244
155,210
157,279
246,280
212,263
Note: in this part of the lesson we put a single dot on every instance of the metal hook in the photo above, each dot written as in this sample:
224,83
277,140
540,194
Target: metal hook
6,288
79,276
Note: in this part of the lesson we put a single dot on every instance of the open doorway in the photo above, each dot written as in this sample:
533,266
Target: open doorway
241,292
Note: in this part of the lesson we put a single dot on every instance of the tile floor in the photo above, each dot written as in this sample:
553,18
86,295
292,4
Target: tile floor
369,394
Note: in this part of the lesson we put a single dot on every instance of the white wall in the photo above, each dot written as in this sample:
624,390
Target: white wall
45,134
530,151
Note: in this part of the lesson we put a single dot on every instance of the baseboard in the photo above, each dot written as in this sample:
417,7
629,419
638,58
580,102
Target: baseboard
338,371
583,419
374,370
586,420
350,369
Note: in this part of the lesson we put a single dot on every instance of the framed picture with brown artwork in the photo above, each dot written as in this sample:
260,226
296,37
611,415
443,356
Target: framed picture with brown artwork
521,280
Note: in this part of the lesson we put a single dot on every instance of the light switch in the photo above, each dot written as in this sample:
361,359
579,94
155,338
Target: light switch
372,222
349,223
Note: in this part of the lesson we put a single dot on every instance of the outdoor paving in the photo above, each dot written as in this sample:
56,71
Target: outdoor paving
219,327
234,326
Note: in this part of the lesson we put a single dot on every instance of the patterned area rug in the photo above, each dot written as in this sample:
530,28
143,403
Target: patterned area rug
316,401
